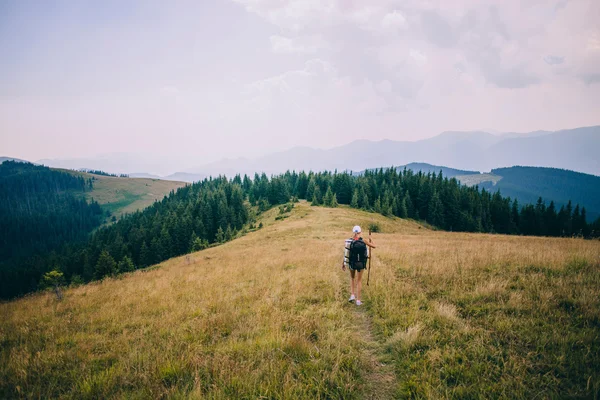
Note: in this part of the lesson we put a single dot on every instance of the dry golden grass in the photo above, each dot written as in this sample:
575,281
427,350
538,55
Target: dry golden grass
446,315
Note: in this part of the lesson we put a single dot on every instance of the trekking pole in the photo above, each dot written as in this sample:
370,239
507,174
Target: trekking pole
370,256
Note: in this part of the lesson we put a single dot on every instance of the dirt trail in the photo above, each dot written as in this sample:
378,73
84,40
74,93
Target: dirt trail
381,381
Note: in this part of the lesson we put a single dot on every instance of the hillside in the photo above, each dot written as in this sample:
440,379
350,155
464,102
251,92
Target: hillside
435,169
447,315
40,210
127,195
479,179
2,159
527,184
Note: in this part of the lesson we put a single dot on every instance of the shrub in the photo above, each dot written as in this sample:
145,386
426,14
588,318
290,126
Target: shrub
374,227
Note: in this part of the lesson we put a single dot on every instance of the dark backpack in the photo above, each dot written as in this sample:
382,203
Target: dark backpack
358,254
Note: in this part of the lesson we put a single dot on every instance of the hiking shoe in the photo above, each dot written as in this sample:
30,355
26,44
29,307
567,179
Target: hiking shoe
351,299
358,303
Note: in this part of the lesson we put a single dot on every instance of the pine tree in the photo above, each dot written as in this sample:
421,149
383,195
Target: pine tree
105,266
436,210
576,222
220,238
515,216
410,209
310,189
126,265
145,255
354,201
316,199
403,210
330,199
363,199
377,205
585,227
198,244
229,233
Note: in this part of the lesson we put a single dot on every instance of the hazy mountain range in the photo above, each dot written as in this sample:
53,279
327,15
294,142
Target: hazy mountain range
573,149
2,159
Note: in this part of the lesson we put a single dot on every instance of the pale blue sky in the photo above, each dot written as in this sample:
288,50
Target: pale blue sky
194,81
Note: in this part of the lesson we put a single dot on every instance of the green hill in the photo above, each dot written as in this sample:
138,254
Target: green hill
119,195
435,169
527,184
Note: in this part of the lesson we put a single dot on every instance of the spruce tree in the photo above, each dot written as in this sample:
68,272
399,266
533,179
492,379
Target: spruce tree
330,199
354,201
316,199
145,255
515,215
403,210
310,189
220,237
126,265
410,209
363,200
436,210
377,205
105,266
199,244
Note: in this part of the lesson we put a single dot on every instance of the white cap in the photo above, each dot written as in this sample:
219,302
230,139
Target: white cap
356,229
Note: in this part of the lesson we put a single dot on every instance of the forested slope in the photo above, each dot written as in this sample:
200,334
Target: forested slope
40,211
529,183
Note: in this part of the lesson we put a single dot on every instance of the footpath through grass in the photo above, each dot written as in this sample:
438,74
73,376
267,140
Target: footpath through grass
447,315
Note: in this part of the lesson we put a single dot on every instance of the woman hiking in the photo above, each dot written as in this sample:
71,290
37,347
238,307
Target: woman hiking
356,253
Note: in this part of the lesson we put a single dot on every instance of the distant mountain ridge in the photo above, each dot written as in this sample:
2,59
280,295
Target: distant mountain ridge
573,149
2,159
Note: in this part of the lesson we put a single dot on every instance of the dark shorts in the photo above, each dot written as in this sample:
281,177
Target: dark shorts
359,266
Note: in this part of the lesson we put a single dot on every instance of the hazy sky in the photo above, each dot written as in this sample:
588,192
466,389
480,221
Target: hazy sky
195,81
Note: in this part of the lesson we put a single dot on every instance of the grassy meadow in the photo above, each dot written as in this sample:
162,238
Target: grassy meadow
127,195
446,315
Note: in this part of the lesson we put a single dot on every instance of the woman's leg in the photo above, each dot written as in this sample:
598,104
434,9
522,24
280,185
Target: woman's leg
358,283
352,274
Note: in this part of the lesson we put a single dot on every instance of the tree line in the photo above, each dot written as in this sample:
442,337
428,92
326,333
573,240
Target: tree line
218,209
443,203
102,173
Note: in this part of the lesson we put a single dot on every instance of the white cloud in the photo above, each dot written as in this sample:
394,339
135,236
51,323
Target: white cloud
384,86
302,45
423,56
393,21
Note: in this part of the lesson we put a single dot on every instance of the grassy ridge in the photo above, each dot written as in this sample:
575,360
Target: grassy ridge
447,315
127,195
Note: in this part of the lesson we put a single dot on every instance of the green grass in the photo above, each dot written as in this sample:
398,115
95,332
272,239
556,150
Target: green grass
124,201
